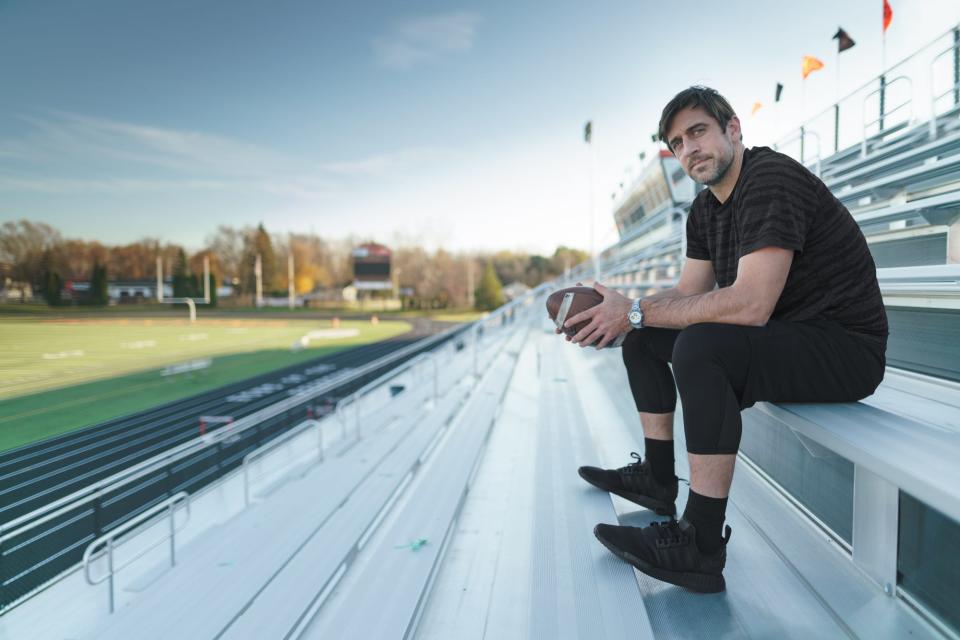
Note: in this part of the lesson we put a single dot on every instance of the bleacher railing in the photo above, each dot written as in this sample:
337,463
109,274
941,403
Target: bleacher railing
107,544
922,86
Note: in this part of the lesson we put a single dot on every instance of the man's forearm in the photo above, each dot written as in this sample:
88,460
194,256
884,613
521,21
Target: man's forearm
672,292
670,309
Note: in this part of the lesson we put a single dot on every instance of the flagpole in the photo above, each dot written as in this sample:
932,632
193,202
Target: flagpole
838,77
883,68
803,99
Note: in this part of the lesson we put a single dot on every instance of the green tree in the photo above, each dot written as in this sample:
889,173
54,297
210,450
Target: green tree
567,258
52,284
98,285
213,290
489,295
183,284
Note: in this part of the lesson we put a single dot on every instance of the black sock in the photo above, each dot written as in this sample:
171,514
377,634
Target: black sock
659,454
707,515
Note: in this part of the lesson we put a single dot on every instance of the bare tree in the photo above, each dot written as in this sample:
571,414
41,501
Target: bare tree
227,244
24,244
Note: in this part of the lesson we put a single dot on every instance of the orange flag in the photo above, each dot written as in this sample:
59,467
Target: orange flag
887,15
756,107
810,64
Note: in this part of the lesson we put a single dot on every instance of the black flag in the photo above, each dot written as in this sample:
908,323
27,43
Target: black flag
844,41
776,97
588,131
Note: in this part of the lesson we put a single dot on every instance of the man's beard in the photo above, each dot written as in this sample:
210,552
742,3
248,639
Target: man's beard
723,165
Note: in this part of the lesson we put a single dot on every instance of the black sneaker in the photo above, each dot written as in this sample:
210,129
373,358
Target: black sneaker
668,551
636,483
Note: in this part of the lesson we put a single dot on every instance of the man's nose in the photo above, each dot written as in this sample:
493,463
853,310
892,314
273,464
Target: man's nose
690,147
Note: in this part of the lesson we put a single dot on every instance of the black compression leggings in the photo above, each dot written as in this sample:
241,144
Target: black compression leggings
721,369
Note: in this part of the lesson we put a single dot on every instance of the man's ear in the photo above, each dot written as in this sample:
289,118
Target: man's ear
733,129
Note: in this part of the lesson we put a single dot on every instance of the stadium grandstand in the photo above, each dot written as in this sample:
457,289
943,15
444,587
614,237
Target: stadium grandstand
440,499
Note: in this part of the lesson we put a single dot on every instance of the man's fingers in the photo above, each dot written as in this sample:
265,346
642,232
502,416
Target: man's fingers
583,333
604,342
580,317
593,337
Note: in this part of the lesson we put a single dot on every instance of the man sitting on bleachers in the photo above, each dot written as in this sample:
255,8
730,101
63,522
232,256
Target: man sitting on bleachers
797,317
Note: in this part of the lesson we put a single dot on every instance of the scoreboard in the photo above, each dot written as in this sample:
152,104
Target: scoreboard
371,267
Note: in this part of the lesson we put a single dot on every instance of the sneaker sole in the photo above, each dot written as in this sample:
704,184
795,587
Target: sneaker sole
659,507
698,582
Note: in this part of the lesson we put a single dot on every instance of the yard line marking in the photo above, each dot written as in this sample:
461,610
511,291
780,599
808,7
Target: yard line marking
74,353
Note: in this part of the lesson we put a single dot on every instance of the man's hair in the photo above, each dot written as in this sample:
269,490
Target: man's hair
708,99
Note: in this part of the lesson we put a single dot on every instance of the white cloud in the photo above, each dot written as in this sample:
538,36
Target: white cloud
108,185
426,38
384,164
60,135
68,152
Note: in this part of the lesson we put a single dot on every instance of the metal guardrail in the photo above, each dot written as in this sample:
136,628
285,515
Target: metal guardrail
801,137
954,87
339,411
881,91
353,398
842,121
275,444
109,541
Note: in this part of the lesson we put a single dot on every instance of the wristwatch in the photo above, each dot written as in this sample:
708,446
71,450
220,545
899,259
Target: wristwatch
636,315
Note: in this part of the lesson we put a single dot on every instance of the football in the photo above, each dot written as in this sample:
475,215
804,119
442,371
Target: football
580,299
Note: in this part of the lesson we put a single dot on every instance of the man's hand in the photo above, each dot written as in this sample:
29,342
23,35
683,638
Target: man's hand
607,320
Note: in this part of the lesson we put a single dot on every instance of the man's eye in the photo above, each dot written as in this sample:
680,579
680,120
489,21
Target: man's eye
698,131
677,144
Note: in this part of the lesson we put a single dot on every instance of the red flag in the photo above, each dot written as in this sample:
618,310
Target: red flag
809,65
887,15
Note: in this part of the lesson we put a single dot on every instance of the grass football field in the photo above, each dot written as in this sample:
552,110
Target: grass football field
60,374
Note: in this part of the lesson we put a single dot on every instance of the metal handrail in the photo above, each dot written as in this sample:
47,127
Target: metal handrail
934,97
801,137
44,514
866,84
275,443
886,85
365,389
108,540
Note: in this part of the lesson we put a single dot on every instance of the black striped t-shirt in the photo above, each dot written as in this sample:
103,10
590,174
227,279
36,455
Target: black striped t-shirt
777,202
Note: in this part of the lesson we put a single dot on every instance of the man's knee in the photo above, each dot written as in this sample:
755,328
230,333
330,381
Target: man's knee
703,349
635,349
699,344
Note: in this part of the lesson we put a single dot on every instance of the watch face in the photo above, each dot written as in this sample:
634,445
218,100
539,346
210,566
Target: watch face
634,317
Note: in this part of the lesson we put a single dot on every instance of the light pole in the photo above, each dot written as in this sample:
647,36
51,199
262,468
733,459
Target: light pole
588,138
290,289
258,272
159,279
206,279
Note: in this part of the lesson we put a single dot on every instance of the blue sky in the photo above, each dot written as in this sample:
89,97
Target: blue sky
453,124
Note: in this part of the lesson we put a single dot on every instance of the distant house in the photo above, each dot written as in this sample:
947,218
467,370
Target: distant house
129,291
125,291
